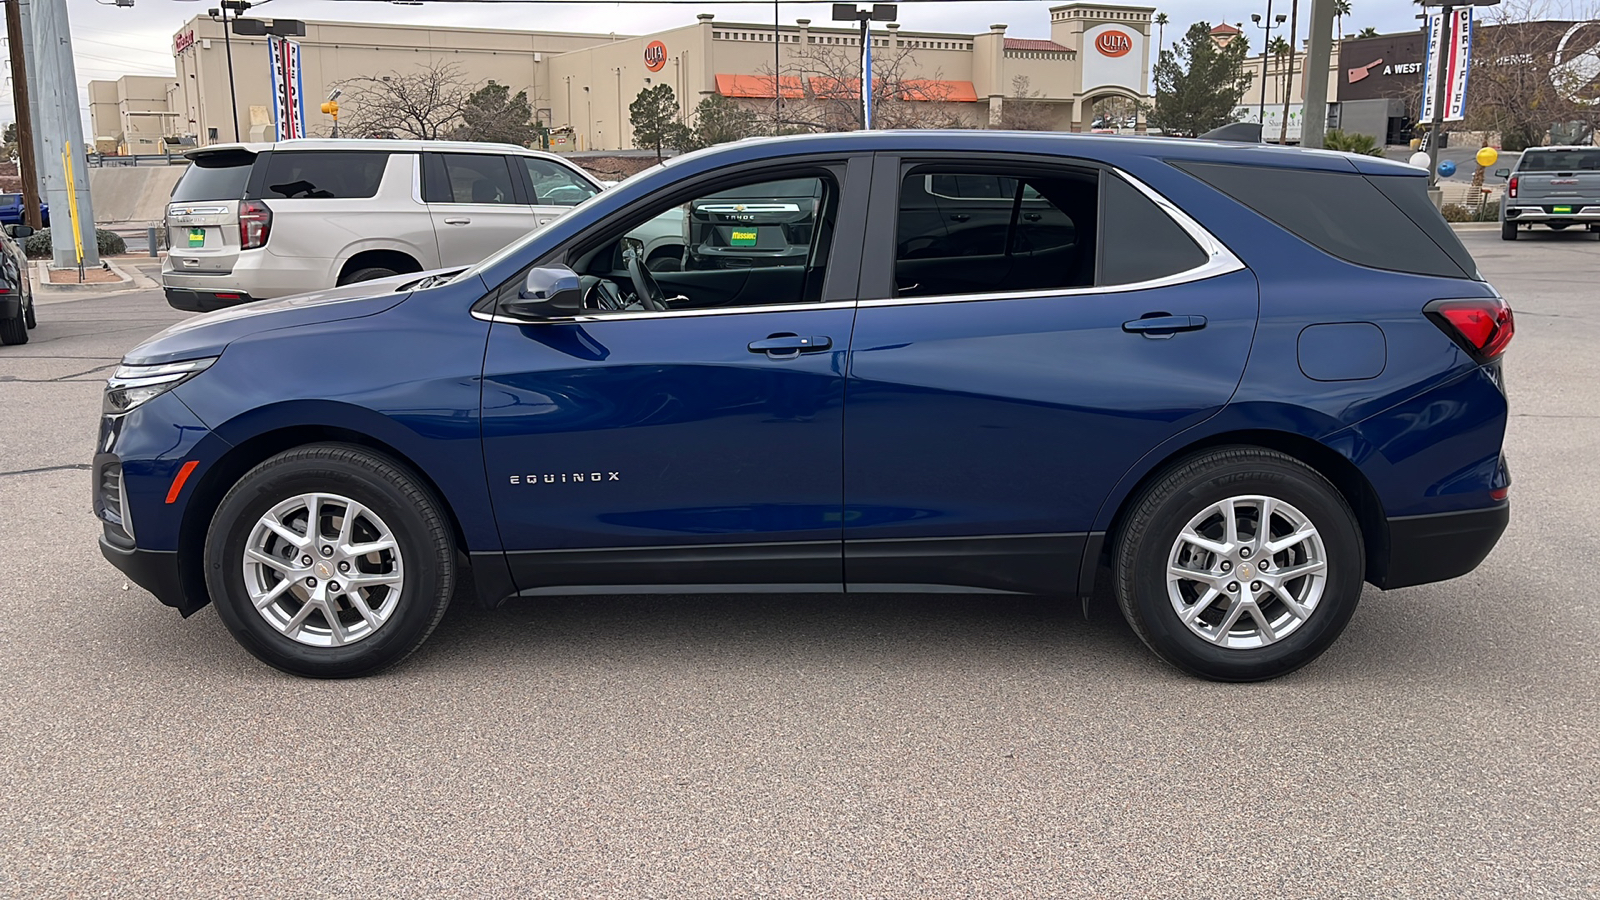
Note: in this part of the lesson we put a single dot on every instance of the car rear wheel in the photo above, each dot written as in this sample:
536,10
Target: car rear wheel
371,273
1239,564
32,320
329,561
1508,231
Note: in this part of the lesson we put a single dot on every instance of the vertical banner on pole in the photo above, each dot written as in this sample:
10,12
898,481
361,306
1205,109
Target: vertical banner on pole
288,102
866,78
1449,57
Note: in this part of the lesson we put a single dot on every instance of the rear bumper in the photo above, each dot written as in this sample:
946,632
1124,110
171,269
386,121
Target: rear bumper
1587,212
204,301
1438,547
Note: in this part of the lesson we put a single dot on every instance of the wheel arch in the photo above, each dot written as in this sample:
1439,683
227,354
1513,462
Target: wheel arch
1336,467
401,261
225,472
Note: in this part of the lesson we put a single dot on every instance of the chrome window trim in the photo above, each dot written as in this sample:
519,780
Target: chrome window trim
1219,261
673,314
416,178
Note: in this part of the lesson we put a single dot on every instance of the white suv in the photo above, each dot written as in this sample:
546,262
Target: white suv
252,221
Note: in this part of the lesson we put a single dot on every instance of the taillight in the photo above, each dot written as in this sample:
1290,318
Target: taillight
1483,327
255,224
1511,188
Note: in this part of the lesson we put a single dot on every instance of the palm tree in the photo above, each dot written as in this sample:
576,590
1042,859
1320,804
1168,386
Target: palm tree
1341,8
1279,48
1367,32
1350,142
1161,21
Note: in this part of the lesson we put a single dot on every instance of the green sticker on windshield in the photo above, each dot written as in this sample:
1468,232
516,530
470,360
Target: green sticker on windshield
744,238
197,237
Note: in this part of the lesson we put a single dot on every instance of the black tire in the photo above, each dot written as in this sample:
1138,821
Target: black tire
371,273
1165,507
413,517
31,319
14,330
1508,231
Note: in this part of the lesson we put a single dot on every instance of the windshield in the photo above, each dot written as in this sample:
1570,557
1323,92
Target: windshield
1560,161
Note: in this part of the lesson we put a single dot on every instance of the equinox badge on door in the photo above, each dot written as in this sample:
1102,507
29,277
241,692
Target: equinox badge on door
566,478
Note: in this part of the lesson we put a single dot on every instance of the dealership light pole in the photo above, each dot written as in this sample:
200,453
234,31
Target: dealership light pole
880,12
1261,115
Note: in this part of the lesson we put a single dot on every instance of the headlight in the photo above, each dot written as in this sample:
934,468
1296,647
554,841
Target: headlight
133,386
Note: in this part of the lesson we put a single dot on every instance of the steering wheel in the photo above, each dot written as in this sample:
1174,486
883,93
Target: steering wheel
645,286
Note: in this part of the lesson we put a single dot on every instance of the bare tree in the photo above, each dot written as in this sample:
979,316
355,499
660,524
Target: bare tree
830,76
1023,111
1535,65
426,102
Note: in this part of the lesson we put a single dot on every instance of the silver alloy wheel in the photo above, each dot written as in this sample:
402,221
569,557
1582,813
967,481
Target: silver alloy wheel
1247,572
323,570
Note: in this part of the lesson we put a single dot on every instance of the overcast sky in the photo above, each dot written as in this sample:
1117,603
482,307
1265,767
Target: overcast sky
109,41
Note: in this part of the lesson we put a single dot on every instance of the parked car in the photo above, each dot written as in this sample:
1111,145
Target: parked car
17,315
1235,381
1557,187
12,210
254,221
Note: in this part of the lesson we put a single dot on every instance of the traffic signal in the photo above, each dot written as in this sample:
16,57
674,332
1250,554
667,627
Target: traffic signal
331,108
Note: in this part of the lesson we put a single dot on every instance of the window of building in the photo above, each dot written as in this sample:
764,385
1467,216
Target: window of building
324,174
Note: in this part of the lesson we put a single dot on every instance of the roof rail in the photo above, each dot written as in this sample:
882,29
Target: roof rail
1243,132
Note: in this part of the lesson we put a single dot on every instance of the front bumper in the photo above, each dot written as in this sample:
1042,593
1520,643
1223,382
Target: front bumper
154,570
1441,546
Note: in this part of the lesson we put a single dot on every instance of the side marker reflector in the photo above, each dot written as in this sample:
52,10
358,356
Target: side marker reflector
177,483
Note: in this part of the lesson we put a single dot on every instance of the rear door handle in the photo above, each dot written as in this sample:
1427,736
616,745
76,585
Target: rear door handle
458,220
788,346
1164,325
959,217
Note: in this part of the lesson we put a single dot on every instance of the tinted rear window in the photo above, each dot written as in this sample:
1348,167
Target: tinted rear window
1410,193
324,175
1342,214
215,176
1560,161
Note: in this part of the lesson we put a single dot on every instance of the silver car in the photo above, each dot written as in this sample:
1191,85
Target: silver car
1556,187
254,221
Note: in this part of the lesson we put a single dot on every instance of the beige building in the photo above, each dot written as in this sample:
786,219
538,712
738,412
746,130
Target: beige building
1283,81
132,114
585,82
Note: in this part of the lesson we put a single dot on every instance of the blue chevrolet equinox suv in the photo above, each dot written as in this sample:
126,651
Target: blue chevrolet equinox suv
1233,382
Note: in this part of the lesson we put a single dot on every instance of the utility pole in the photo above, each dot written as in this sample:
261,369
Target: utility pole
1319,53
24,7
1294,38
60,129
19,99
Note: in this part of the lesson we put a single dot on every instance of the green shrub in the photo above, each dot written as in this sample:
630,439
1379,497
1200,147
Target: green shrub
1350,142
1455,212
109,243
1490,212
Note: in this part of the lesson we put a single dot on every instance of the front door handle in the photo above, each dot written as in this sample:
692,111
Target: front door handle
788,346
959,217
458,220
1163,325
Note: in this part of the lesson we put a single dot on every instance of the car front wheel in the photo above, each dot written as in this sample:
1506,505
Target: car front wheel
1239,564
329,561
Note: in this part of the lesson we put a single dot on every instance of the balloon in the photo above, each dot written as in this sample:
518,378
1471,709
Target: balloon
1487,156
1419,159
1446,168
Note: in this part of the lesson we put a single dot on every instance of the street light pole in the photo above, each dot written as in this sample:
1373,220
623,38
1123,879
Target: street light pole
880,12
1261,114
238,6
1437,119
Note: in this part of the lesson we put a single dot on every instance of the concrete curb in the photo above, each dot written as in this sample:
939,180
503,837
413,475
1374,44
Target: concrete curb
1475,226
128,279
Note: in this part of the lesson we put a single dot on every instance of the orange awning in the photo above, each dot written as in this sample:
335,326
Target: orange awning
758,86
924,89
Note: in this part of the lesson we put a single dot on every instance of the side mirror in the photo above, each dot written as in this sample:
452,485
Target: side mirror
1502,173
19,231
550,292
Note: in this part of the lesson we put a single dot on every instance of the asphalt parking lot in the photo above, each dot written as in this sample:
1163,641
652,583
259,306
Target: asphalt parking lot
760,746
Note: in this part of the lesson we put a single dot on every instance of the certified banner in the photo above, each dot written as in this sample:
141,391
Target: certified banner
288,104
1449,57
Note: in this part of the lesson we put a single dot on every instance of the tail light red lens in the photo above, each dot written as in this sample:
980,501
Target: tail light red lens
1483,327
255,224
1511,188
